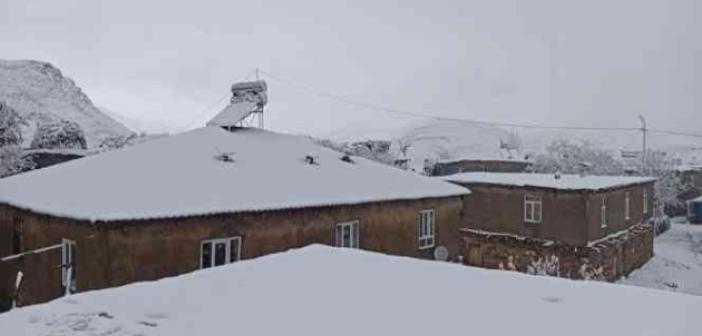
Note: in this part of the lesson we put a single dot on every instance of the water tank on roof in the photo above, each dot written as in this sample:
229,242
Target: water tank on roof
248,100
255,92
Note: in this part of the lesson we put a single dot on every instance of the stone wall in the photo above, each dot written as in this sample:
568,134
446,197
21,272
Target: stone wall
607,259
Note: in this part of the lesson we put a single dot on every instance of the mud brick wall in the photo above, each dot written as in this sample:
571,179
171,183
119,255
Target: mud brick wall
117,253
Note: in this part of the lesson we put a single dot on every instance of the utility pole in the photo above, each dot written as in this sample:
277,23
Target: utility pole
643,152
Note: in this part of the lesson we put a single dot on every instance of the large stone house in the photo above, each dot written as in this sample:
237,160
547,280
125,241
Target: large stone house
206,198
573,226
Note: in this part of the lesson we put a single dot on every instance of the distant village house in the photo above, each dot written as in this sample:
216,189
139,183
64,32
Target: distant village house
443,168
566,225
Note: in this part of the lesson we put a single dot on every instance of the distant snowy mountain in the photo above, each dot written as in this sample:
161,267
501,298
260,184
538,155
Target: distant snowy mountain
40,92
139,125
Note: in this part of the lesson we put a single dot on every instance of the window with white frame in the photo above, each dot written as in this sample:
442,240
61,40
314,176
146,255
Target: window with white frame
68,266
347,234
427,218
627,206
603,212
532,209
221,251
645,201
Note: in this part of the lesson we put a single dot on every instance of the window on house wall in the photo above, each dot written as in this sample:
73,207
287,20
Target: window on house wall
532,209
427,218
217,252
347,234
68,266
627,206
645,201
603,212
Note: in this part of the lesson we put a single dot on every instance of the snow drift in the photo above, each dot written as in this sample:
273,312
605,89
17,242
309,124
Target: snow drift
321,290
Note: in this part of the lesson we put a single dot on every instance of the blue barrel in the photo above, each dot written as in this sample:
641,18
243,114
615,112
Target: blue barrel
694,211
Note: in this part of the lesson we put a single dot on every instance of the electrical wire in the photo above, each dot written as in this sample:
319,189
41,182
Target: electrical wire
395,111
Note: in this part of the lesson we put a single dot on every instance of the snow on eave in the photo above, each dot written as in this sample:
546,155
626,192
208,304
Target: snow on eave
508,235
112,219
573,183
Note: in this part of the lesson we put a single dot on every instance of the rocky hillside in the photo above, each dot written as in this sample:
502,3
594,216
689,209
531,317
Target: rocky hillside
40,92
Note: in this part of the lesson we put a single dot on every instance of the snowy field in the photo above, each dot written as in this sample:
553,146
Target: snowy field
677,264
321,290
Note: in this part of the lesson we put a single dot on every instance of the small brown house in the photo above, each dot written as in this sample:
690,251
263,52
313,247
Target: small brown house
576,226
205,198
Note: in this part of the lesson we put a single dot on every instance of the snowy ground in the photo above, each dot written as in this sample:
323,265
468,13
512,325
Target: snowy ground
677,264
320,290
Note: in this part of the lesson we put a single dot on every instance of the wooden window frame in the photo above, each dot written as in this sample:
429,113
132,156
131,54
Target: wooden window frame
355,234
530,203
68,257
227,254
427,228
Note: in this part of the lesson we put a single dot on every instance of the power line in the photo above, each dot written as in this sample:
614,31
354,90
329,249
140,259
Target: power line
688,134
371,106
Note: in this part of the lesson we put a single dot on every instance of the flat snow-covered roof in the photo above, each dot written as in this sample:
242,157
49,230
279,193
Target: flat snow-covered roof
179,176
322,290
566,182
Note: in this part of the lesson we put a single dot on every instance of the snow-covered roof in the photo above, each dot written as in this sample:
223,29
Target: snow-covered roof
689,168
565,182
486,158
180,176
322,290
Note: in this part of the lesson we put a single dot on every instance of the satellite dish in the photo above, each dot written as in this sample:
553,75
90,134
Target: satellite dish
441,253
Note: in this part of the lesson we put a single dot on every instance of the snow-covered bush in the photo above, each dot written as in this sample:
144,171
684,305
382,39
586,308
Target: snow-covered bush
10,126
62,134
669,185
576,158
13,161
117,141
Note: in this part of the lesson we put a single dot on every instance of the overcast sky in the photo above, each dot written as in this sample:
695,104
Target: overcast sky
532,61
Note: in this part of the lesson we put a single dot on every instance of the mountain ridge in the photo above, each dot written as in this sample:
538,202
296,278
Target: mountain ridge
40,92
